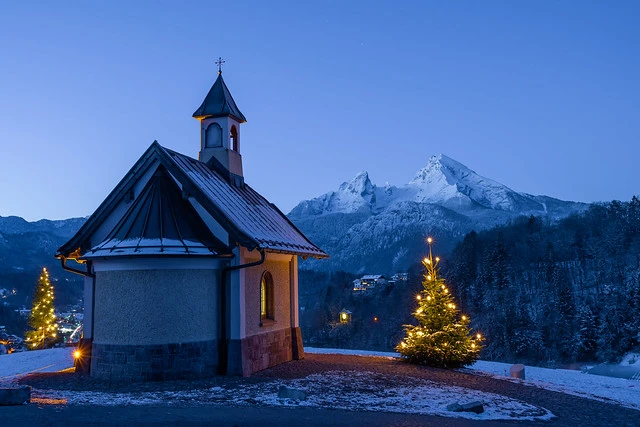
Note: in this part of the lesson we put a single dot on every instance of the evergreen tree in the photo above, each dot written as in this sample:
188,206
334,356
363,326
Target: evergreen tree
42,318
585,339
442,337
498,302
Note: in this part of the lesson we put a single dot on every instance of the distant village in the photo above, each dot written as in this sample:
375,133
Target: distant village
69,326
369,282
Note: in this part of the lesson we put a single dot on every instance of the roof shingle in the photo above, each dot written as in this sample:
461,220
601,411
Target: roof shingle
249,213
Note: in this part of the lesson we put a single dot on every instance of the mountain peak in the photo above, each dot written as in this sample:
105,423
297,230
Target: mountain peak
444,180
360,185
438,168
352,196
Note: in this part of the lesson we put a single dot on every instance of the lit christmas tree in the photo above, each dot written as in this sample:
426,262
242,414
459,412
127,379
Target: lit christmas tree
42,318
442,337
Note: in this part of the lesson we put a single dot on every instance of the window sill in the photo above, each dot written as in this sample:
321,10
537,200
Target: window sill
267,322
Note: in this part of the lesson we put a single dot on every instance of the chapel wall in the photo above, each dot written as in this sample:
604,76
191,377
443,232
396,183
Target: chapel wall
280,272
154,324
146,307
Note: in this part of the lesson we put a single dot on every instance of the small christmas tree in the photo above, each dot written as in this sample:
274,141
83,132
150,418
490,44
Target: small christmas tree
442,337
42,318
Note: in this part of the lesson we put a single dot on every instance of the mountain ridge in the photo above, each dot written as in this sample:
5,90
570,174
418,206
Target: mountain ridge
445,199
442,181
363,227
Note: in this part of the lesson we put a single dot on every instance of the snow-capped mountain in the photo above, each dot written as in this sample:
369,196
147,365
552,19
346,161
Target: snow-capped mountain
442,181
351,197
365,227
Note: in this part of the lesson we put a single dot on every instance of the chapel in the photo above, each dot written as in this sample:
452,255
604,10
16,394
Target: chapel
188,271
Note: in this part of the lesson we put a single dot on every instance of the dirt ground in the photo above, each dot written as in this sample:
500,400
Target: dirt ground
569,410
33,415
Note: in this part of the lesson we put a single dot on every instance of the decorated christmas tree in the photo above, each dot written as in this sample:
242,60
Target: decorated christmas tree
442,337
42,318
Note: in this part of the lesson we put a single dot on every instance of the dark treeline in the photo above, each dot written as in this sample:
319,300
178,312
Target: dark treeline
554,293
13,323
377,318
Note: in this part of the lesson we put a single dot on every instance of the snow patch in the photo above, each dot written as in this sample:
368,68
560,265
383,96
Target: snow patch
15,365
619,391
354,391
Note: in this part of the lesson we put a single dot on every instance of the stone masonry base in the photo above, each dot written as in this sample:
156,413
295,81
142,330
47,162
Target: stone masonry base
263,351
161,362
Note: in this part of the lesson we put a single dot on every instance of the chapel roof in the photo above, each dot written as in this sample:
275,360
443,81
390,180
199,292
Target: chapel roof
249,219
159,222
219,103
246,211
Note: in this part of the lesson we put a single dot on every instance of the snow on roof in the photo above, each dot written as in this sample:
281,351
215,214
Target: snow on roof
159,222
372,277
249,218
246,210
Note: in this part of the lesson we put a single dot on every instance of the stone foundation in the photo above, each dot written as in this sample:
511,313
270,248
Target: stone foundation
263,351
160,362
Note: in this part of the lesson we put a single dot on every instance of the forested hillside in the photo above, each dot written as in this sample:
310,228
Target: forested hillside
560,292
541,292
25,248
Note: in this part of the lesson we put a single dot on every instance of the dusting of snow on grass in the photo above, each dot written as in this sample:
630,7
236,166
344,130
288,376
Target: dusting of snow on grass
362,391
318,350
15,365
617,391
355,391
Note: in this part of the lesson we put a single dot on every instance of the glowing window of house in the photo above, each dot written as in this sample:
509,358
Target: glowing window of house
266,296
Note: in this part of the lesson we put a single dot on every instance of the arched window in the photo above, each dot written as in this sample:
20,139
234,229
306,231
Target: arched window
266,296
213,136
233,135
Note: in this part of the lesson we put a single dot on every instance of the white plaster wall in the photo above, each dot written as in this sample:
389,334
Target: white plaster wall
155,306
87,319
279,267
232,160
236,308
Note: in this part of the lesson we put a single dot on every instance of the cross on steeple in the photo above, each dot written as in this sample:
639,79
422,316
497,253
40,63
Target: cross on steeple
219,63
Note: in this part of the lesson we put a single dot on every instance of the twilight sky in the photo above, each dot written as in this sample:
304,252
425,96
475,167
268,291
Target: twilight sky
542,96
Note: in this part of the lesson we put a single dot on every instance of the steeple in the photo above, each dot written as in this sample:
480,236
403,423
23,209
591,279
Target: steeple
219,103
220,120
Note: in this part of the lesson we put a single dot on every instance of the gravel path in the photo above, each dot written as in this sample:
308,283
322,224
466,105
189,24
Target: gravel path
570,410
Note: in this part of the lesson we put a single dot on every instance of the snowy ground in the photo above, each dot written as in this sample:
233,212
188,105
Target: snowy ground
15,365
344,390
356,391
606,389
612,390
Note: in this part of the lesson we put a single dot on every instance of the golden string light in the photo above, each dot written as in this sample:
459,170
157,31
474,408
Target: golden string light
454,336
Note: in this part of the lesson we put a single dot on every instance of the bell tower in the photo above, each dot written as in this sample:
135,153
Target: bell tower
220,121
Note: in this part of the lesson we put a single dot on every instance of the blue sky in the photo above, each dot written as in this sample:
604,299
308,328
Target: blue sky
541,96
